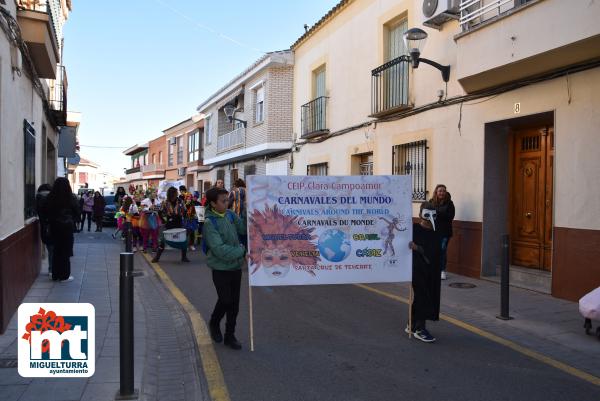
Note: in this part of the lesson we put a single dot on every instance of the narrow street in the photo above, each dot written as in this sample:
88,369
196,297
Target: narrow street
345,343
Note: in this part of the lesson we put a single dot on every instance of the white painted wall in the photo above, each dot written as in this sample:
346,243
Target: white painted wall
350,45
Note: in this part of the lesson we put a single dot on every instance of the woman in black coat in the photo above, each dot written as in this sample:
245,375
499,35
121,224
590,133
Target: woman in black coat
443,223
62,210
98,210
425,272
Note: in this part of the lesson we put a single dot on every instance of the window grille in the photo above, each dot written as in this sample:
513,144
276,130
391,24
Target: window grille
411,159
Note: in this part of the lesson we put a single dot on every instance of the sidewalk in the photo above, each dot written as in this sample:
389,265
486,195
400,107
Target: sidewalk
542,323
166,359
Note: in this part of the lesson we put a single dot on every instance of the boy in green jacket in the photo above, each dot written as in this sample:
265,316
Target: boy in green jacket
225,256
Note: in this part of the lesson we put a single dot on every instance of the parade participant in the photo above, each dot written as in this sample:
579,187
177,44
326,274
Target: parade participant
119,197
63,214
40,199
445,214
132,221
150,219
87,209
225,256
425,272
237,197
190,220
99,204
172,212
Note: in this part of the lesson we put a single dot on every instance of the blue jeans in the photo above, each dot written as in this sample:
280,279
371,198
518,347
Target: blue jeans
443,256
50,249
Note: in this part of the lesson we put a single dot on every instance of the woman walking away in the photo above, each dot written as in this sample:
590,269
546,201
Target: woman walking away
225,256
99,204
445,214
426,281
172,213
88,209
62,210
40,199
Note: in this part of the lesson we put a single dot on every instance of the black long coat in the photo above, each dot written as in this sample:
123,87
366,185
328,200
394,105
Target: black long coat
426,280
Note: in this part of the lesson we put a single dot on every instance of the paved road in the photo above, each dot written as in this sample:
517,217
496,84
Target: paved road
345,343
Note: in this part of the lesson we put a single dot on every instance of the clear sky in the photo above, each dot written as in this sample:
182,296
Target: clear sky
136,67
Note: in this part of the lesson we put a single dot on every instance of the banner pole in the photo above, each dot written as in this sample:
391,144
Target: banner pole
251,318
410,302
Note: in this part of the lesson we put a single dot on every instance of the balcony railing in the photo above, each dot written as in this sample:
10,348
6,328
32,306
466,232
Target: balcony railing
314,117
58,96
231,140
152,167
475,12
389,86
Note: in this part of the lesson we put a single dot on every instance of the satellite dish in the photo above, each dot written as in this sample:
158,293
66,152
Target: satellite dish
429,7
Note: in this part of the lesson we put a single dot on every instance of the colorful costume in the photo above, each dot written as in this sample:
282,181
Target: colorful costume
150,222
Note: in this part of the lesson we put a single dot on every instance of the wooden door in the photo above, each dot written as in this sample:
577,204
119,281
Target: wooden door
531,198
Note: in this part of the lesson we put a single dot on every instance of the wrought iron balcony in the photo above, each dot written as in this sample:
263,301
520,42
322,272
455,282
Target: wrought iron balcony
231,140
475,12
58,96
38,21
314,118
389,87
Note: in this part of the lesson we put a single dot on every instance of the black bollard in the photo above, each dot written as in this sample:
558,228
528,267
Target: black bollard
128,238
504,279
126,391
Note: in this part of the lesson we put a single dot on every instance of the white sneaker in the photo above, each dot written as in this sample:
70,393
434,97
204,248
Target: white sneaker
71,278
444,275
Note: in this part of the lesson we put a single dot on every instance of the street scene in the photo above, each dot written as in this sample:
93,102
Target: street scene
317,200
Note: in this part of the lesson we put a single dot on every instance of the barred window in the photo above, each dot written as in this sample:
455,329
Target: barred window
316,169
411,159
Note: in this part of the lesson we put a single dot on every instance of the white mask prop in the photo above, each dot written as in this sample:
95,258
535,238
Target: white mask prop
429,214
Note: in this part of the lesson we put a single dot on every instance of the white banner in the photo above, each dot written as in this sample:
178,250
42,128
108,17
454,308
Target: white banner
306,230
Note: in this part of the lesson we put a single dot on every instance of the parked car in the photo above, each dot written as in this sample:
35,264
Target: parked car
109,211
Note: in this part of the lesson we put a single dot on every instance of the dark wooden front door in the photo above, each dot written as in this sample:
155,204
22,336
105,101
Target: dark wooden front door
531,198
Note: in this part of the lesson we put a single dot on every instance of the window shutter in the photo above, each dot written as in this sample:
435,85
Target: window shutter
260,95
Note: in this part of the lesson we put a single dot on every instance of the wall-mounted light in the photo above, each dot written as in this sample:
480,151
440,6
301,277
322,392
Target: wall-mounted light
415,39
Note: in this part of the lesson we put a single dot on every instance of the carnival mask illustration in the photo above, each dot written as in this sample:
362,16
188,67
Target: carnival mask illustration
429,214
276,262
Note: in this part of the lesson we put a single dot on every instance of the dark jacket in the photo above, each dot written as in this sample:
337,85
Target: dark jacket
63,220
222,241
426,280
99,204
40,199
445,215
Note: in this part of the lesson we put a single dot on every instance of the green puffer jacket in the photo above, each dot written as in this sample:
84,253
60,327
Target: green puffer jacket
224,249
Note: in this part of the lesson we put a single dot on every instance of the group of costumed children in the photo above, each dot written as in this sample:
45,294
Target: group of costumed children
147,214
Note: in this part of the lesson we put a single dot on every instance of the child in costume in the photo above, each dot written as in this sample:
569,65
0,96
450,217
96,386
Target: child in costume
150,220
190,220
132,218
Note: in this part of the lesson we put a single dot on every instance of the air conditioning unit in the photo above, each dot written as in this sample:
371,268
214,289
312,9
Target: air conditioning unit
181,171
437,12
172,140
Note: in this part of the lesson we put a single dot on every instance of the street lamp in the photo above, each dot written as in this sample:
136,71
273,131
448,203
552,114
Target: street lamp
415,39
230,110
